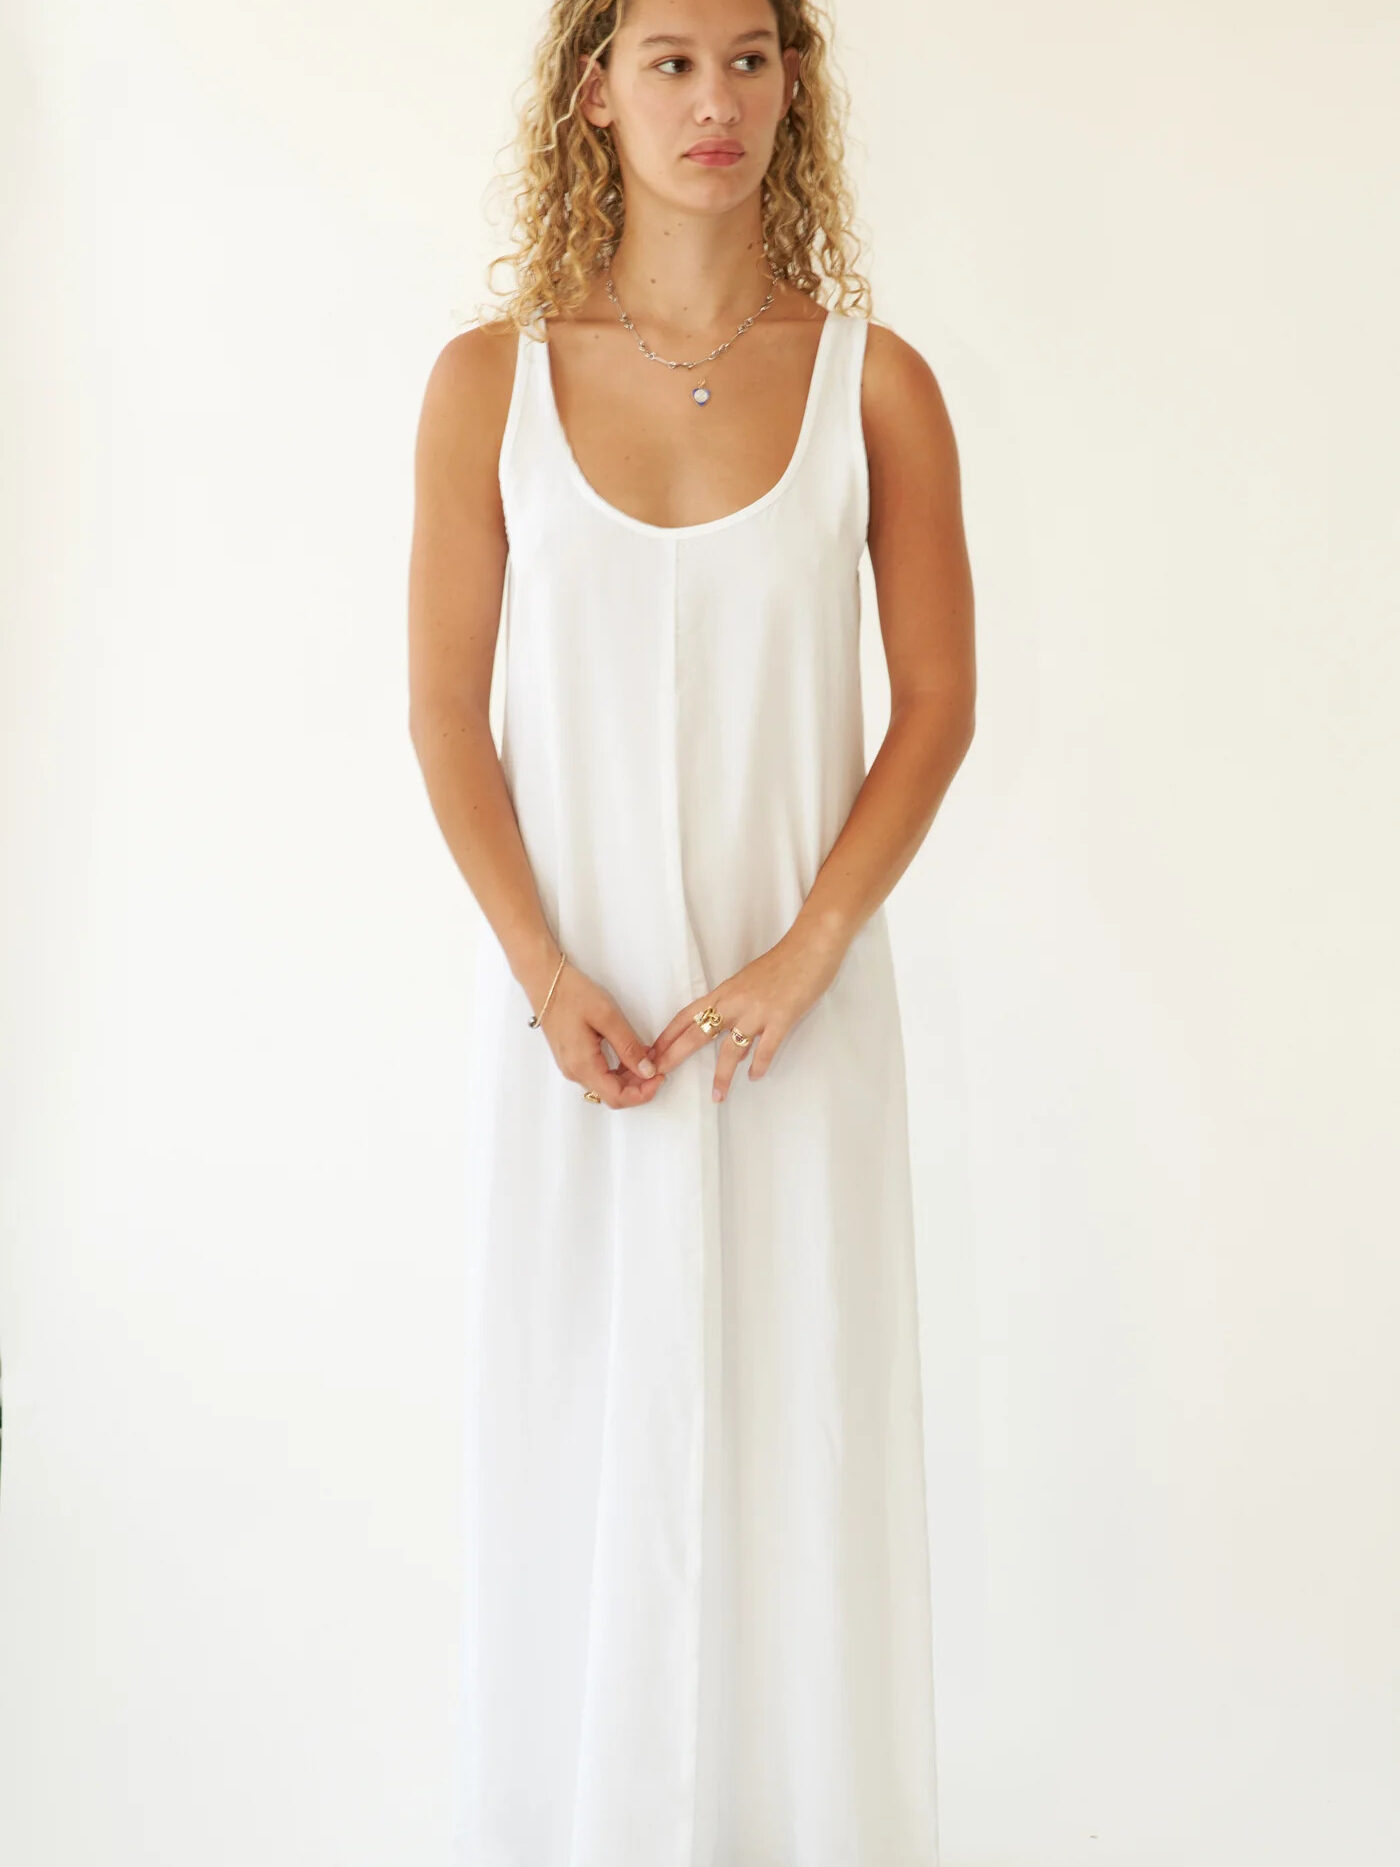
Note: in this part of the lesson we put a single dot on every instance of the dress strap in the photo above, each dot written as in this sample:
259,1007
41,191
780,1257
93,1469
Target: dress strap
846,466
525,344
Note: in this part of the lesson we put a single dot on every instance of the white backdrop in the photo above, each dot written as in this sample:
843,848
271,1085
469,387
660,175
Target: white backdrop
1147,956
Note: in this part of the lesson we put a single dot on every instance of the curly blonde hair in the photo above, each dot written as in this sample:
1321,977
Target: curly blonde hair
567,184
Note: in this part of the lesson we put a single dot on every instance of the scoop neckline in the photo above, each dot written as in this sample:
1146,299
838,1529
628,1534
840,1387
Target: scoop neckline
594,497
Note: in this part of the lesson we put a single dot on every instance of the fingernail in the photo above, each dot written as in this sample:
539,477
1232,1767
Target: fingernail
646,1067
717,1093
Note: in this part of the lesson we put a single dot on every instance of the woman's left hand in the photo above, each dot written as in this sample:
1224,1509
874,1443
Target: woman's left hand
764,1000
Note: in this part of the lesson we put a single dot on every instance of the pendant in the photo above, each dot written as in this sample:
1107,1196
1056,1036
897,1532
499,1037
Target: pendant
700,394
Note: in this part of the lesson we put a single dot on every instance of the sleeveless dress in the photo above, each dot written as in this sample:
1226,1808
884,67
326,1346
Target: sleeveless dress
697,1628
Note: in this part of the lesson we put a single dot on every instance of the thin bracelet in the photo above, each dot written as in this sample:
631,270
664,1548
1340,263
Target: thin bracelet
549,994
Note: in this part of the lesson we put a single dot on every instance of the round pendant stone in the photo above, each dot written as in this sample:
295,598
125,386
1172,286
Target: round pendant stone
700,395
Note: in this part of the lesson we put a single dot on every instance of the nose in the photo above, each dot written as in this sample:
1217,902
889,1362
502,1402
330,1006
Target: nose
717,97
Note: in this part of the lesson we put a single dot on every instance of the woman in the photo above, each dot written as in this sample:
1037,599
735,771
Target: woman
696,1611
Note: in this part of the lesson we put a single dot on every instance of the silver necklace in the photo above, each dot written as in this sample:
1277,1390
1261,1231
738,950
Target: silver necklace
701,393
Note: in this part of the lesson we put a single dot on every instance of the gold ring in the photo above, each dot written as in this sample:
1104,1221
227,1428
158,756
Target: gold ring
589,1096
709,1020
739,1038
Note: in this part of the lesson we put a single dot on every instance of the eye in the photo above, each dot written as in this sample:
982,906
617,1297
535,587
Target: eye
758,59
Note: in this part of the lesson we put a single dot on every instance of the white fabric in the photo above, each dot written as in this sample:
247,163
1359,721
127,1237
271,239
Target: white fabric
697,1627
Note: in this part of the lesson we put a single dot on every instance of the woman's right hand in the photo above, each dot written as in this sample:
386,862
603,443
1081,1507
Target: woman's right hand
580,1015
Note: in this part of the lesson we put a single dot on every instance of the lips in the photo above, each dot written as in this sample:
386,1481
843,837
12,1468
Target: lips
715,150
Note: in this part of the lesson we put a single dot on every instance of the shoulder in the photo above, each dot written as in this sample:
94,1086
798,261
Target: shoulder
475,368
899,388
466,401
902,408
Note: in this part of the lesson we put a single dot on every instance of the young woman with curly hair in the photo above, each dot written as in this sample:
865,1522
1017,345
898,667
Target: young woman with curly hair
696,1618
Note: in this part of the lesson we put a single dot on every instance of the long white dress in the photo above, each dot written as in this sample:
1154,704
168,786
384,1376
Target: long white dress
696,1612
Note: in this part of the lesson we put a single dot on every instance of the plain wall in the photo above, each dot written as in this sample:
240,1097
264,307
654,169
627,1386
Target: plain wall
1146,957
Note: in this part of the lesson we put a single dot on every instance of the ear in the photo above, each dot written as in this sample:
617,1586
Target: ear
792,60
592,99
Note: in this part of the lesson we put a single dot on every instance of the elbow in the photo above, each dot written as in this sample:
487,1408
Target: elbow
945,715
418,730
960,715
433,725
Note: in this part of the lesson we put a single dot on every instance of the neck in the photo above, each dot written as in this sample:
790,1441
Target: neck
684,277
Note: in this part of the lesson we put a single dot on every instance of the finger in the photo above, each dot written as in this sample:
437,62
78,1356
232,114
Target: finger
763,1049
600,1079
628,1078
620,1093
628,1048
619,1088
726,1062
680,1025
642,1088
682,1037
632,1090
683,1044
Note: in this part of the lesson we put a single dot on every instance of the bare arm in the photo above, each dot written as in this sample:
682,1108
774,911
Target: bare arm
455,583
924,588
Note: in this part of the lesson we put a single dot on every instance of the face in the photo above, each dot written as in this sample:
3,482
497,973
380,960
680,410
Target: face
692,97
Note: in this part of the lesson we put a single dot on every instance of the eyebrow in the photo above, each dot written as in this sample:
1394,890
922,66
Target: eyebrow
671,38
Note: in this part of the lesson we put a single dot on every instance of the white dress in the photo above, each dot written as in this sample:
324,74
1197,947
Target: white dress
696,1612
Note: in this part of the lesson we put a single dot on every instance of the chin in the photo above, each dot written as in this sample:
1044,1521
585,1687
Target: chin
737,179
